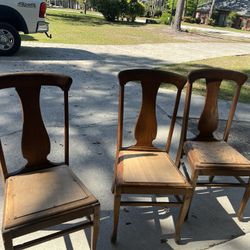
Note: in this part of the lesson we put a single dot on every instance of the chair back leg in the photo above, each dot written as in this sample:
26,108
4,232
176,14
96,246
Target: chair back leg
243,202
95,228
117,202
194,179
7,240
182,214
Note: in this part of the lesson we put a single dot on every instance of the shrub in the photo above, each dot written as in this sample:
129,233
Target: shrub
123,9
135,8
210,21
188,19
151,21
165,17
197,20
231,19
113,9
110,9
158,13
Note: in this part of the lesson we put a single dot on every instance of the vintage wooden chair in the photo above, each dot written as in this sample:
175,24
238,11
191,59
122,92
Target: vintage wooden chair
143,168
206,154
42,194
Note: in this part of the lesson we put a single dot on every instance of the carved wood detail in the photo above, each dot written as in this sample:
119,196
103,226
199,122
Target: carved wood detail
146,126
208,122
35,139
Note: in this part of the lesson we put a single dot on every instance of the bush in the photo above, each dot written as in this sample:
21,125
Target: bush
211,22
231,19
165,17
151,21
110,9
123,9
189,19
158,13
135,8
197,20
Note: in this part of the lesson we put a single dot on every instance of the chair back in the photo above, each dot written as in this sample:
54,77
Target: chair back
208,121
35,140
146,126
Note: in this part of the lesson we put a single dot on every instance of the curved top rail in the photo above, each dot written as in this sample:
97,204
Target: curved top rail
32,79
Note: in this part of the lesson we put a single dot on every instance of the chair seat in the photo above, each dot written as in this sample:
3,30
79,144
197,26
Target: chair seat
147,168
215,154
42,194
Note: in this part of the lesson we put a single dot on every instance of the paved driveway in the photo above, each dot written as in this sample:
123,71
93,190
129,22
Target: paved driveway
221,32
93,114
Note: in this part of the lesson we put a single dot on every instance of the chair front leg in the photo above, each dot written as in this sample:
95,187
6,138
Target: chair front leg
182,214
244,200
117,202
7,241
95,227
211,178
194,179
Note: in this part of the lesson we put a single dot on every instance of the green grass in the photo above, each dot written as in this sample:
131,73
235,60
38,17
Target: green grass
73,27
239,63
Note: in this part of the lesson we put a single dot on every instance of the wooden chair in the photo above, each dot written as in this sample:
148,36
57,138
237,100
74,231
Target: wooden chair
143,168
42,194
206,154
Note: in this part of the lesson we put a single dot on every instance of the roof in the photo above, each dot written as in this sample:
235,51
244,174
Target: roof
242,7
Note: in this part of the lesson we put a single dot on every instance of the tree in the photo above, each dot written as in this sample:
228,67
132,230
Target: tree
211,10
196,7
178,15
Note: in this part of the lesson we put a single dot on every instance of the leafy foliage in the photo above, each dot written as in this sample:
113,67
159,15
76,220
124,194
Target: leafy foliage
165,17
112,10
109,8
135,8
231,19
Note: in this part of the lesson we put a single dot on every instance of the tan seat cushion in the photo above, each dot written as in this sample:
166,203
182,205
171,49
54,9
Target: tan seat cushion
217,153
152,168
43,193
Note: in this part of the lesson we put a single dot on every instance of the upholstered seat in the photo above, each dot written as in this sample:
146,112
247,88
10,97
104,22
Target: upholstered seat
147,168
29,202
217,155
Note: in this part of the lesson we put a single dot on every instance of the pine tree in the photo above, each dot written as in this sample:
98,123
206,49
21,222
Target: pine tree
178,15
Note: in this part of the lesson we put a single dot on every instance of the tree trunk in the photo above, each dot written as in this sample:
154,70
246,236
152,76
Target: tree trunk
211,9
172,12
178,15
85,7
196,7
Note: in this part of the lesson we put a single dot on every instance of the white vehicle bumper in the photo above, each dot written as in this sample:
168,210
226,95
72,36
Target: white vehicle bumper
42,27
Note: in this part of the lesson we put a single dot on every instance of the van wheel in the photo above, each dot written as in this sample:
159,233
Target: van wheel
10,40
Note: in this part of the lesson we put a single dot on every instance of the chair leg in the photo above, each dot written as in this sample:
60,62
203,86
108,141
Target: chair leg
211,178
117,201
95,227
243,202
193,183
182,214
113,187
7,241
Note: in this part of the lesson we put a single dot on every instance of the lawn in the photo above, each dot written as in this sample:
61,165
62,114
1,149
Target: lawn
73,27
239,63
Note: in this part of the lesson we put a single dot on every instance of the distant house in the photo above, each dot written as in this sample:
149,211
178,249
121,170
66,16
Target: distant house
223,8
